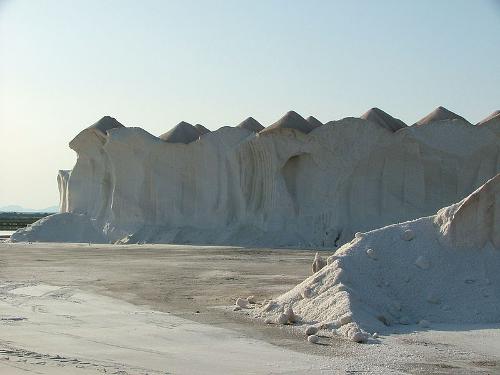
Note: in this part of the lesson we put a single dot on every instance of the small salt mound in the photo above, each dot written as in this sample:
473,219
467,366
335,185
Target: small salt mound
383,119
314,122
181,133
448,273
251,124
439,114
63,227
201,129
291,120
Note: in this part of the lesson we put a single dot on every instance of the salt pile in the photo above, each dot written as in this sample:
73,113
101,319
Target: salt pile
291,120
64,227
439,114
290,184
181,133
437,269
201,129
383,119
251,124
314,122
495,116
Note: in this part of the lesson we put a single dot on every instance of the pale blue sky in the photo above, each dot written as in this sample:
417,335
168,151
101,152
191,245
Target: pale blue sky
65,64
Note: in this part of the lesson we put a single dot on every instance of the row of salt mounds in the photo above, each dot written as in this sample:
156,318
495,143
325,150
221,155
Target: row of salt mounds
437,269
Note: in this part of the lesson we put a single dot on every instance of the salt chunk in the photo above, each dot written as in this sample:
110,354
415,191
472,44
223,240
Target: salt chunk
424,323
371,253
375,335
243,303
313,339
307,293
404,320
422,262
359,337
432,298
251,299
408,235
311,330
318,263
271,304
282,319
345,319
292,318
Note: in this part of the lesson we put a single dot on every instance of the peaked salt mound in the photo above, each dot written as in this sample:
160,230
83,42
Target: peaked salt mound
439,114
437,269
181,133
383,119
314,122
105,124
291,120
251,124
495,116
201,129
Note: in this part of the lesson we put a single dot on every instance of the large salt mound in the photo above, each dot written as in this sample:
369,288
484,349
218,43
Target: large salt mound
291,120
439,114
201,129
383,119
64,227
181,133
437,269
251,124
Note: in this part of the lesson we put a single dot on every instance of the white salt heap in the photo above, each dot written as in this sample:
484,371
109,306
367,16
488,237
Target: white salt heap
438,269
295,183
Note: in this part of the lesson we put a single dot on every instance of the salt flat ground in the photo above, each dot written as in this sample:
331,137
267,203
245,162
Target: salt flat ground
157,309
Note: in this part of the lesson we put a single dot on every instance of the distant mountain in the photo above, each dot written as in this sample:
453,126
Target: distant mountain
16,208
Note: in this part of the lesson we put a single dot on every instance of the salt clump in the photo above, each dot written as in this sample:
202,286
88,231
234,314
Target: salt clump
408,235
422,262
313,339
318,263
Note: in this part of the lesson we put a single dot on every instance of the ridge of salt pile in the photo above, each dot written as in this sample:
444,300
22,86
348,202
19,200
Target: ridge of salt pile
437,269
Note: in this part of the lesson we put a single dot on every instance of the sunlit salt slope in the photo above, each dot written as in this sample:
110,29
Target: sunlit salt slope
437,269
295,183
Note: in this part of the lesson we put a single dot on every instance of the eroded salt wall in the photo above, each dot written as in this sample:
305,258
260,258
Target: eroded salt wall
280,187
